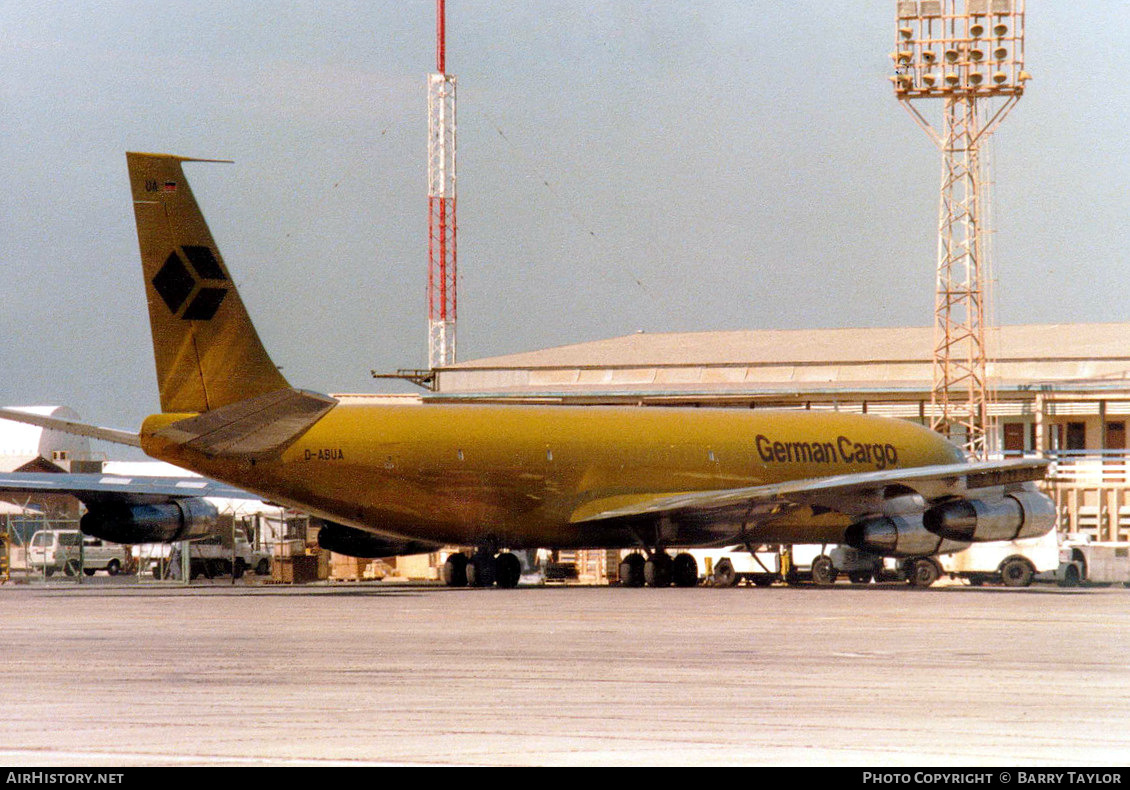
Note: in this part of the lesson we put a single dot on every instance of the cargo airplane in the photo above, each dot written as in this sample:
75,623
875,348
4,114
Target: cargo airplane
401,479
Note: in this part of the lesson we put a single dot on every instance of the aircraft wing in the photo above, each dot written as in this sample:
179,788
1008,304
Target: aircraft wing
854,494
106,488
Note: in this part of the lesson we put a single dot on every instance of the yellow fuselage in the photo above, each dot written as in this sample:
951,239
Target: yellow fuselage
524,476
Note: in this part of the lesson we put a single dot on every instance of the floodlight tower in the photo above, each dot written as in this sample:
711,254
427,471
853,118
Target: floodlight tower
441,205
969,54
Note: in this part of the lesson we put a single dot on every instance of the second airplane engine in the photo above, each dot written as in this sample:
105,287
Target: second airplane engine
1025,514
351,542
164,522
898,536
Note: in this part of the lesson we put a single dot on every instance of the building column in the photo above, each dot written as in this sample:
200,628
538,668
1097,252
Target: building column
1041,424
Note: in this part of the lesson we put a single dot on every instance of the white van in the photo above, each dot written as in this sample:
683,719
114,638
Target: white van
53,550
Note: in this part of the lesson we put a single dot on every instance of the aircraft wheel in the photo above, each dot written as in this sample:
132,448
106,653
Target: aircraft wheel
657,570
508,570
455,571
923,573
631,571
480,570
1070,576
724,574
684,571
823,571
1016,573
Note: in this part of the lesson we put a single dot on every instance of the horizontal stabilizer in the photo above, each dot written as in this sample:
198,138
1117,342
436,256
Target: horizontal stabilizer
69,426
260,426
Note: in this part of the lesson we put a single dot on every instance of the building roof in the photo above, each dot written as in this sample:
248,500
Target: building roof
807,346
793,360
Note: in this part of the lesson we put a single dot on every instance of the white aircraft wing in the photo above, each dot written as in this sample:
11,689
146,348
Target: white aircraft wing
69,426
102,488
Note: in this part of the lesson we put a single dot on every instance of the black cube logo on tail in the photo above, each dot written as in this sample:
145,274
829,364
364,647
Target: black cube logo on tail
199,290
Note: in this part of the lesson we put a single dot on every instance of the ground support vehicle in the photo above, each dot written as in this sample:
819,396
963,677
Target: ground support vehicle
71,552
807,563
1084,562
208,557
821,565
1011,563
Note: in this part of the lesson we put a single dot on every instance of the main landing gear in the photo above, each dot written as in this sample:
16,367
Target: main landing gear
482,569
659,570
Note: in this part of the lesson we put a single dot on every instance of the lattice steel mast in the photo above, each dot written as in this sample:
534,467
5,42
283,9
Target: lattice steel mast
970,54
442,299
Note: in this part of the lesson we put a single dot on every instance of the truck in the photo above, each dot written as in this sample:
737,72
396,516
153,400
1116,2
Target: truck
1014,564
1011,563
208,557
1085,562
804,563
71,552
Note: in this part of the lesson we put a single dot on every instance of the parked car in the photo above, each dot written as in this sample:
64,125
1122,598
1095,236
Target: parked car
71,552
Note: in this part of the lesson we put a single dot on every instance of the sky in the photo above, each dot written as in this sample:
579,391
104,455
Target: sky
624,166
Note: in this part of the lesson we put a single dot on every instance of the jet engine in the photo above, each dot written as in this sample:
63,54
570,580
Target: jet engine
165,522
352,542
1024,514
901,535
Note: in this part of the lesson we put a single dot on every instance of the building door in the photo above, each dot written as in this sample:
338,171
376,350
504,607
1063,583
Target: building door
1076,436
1013,437
1115,436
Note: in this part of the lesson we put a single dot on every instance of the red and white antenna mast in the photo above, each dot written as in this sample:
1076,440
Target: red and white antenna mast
441,205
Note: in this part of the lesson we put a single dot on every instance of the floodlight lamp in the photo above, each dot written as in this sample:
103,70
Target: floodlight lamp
1001,30
1000,53
977,31
1000,77
929,55
906,32
951,79
976,54
930,79
905,57
975,77
952,55
1023,76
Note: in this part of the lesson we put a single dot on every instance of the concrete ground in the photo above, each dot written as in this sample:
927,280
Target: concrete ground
120,674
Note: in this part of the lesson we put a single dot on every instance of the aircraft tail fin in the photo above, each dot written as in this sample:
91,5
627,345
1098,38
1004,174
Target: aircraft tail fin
207,352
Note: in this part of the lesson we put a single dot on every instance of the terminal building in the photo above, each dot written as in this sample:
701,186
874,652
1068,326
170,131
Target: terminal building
1062,390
